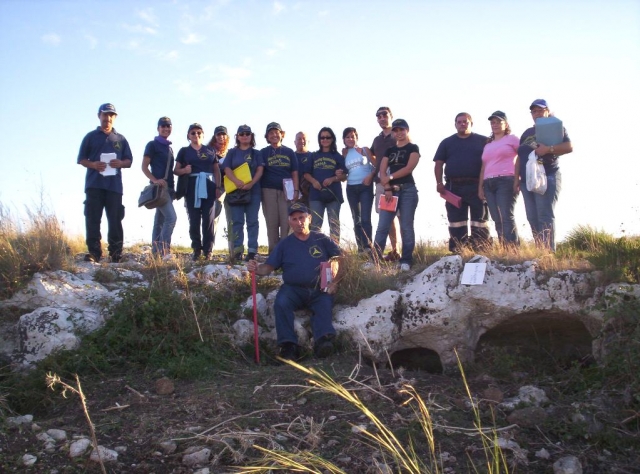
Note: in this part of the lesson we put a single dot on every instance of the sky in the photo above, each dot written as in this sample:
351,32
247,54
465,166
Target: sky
309,64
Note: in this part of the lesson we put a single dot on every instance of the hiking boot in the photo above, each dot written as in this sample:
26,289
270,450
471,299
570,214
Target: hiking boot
324,346
392,256
116,258
237,257
196,255
250,256
91,258
289,351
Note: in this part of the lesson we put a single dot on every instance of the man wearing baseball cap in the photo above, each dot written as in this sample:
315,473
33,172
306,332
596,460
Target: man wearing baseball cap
104,152
300,255
460,157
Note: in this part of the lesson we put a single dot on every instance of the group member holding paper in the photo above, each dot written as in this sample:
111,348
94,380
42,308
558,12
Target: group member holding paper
244,155
302,256
279,184
360,173
497,183
459,160
104,152
540,208
399,186
157,165
323,172
199,162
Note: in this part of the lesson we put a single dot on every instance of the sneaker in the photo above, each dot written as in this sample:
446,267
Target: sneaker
250,256
405,267
324,346
392,256
289,351
116,258
237,257
196,255
207,256
91,258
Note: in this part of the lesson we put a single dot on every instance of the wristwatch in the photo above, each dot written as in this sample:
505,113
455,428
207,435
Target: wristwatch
390,177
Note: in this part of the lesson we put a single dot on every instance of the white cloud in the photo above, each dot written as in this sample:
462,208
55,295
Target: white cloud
278,7
139,29
235,72
148,16
192,38
170,56
52,39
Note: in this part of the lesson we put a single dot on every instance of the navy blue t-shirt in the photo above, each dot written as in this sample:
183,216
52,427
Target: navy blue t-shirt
462,156
236,156
93,145
398,158
159,154
279,163
201,161
322,165
300,259
528,144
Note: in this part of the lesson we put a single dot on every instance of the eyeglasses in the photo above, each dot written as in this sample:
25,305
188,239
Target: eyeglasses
382,114
326,138
244,134
165,125
194,133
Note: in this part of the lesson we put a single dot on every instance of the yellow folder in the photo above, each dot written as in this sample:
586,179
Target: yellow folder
242,172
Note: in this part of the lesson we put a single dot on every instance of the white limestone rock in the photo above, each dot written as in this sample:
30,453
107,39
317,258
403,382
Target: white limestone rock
197,458
58,435
29,460
243,331
79,447
567,465
107,455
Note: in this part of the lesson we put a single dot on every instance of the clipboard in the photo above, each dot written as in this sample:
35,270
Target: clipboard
451,198
242,172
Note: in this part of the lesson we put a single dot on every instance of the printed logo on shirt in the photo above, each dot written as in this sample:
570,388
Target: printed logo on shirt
324,163
397,157
315,252
117,145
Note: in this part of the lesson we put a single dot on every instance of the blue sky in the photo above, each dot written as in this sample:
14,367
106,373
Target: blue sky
309,64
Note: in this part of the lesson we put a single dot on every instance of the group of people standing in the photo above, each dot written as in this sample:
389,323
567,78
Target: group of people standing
485,173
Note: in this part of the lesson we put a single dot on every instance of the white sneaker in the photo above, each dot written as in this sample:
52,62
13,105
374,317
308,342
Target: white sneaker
368,265
404,267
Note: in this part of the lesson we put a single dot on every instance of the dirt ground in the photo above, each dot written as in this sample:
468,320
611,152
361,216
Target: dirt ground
274,406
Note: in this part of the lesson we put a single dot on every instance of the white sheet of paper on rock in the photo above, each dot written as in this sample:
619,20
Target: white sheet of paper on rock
106,158
473,274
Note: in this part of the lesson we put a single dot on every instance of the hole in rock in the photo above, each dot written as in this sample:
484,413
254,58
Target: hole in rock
538,339
417,358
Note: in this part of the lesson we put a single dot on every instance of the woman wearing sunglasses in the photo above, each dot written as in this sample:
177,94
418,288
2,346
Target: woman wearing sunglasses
220,144
200,163
325,170
244,202
360,166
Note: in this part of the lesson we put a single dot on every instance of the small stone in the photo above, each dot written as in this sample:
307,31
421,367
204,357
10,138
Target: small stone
358,428
301,401
19,420
107,455
29,460
169,447
35,427
121,449
344,459
58,435
45,438
79,447
332,442
567,465
197,459
543,454
332,417
528,417
164,386
204,470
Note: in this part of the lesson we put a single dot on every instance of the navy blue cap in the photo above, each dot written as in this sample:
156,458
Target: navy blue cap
220,129
108,109
499,114
194,126
298,207
539,103
275,125
244,128
399,123
164,121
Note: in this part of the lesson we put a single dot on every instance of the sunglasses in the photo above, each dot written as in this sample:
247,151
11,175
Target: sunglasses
326,138
382,114
221,134
165,125
244,134
194,133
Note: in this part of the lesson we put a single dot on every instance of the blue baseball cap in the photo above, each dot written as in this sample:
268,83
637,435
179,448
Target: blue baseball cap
244,128
499,114
298,207
107,109
164,121
539,103
400,123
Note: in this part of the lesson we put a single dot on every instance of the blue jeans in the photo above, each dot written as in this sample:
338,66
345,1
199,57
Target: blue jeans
333,214
238,214
360,199
163,224
502,202
540,210
291,298
407,205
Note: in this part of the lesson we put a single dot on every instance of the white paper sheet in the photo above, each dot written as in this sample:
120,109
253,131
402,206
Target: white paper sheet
287,184
473,274
106,158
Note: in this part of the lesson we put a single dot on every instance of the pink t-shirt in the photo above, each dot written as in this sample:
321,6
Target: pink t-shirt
499,157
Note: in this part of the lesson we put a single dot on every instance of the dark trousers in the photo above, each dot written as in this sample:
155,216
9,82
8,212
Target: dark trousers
203,216
97,201
472,208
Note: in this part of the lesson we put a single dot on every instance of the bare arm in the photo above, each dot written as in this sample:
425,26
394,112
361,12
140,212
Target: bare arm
480,183
439,172
261,269
560,149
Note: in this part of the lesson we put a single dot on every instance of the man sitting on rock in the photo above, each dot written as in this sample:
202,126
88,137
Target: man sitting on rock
300,256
